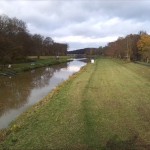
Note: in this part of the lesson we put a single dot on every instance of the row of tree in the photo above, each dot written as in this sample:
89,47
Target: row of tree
132,47
17,43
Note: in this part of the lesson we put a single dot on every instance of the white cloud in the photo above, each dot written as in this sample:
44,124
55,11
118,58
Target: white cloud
81,22
83,39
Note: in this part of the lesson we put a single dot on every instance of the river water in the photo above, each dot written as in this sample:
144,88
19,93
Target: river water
19,92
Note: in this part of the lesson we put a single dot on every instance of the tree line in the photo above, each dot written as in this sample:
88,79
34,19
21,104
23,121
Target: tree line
132,47
16,42
87,51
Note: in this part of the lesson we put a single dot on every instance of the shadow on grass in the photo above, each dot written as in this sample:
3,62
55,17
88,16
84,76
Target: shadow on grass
115,143
142,63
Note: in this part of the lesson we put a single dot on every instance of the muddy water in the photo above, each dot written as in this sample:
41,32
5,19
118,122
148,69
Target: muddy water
24,90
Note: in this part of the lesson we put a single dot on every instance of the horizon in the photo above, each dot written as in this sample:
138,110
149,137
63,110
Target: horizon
81,23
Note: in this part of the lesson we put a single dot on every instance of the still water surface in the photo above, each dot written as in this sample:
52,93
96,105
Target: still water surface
24,90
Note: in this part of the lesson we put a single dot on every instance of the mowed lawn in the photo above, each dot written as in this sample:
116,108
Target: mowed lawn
105,106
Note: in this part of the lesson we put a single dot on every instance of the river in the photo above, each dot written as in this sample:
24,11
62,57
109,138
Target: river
20,92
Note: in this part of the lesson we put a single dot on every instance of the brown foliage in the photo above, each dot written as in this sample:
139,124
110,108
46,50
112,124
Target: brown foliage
16,43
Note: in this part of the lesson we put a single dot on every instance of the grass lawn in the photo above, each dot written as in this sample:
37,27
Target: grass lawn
37,63
104,106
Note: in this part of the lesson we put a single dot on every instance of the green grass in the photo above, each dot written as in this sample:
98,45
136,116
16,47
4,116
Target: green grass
105,106
37,63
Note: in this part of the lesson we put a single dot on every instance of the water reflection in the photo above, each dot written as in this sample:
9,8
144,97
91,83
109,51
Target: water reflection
22,91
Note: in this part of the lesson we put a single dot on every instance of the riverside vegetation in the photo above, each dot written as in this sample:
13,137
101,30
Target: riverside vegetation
33,63
104,106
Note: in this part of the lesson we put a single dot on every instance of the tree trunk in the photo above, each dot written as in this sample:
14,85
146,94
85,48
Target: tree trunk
128,57
147,60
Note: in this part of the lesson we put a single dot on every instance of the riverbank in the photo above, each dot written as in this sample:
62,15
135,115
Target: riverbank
36,63
105,105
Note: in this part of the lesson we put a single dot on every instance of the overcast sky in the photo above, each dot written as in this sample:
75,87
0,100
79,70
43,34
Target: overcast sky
81,23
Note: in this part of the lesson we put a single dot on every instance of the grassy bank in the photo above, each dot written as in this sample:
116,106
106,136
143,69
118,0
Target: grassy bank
35,63
104,106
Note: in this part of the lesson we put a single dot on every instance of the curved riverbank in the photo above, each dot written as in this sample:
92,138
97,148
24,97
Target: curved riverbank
19,122
25,89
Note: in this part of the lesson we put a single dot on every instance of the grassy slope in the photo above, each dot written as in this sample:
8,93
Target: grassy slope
106,105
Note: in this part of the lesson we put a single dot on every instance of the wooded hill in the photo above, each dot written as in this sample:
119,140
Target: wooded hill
87,51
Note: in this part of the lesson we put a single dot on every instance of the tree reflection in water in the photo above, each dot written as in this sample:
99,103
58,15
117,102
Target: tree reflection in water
25,89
